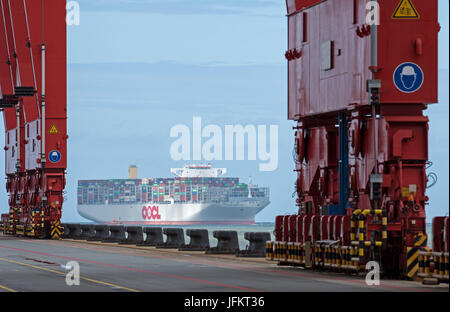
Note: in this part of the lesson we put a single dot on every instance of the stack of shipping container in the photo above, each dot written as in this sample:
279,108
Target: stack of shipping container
126,191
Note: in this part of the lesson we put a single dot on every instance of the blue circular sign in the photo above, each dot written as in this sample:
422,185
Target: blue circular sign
408,77
54,156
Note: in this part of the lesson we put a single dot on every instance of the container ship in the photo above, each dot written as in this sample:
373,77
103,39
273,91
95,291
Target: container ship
197,194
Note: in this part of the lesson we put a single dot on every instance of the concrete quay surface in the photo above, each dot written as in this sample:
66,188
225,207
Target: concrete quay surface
31,265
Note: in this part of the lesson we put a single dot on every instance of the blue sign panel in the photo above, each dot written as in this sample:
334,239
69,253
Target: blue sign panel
54,156
408,77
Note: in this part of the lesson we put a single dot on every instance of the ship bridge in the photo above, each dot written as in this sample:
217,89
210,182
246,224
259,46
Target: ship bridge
198,171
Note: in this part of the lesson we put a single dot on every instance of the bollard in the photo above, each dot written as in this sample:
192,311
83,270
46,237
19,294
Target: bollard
175,238
298,253
280,252
257,247
269,250
135,235
292,228
290,252
101,233
227,243
324,228
117,234
285,228
278,232
75,231
199,240
433,265
66,230
154,236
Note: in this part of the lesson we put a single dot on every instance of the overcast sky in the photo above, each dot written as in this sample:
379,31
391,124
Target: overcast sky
170,60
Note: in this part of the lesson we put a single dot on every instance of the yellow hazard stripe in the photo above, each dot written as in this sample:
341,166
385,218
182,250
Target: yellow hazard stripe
412,255
56,235
420,240
56,227
7,289
64,273
412,261
57,230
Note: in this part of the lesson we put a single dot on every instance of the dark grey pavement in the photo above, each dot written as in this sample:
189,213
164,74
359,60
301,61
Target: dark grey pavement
39,265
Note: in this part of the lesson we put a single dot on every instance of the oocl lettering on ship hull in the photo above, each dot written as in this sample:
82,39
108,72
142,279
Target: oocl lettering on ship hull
151,213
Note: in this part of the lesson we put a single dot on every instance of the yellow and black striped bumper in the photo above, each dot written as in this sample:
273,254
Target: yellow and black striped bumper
412,255
56,230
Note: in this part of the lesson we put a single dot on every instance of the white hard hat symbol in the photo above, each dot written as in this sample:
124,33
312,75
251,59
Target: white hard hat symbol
408,71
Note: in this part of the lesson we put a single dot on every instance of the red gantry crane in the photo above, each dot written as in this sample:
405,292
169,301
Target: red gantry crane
33,101
360,75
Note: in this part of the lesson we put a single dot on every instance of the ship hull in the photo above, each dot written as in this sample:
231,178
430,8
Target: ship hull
239,212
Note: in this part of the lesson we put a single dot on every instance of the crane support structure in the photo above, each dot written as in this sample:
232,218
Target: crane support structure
360,76
33,90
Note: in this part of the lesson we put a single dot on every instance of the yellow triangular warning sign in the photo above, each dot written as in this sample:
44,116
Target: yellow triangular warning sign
406,10
53,130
